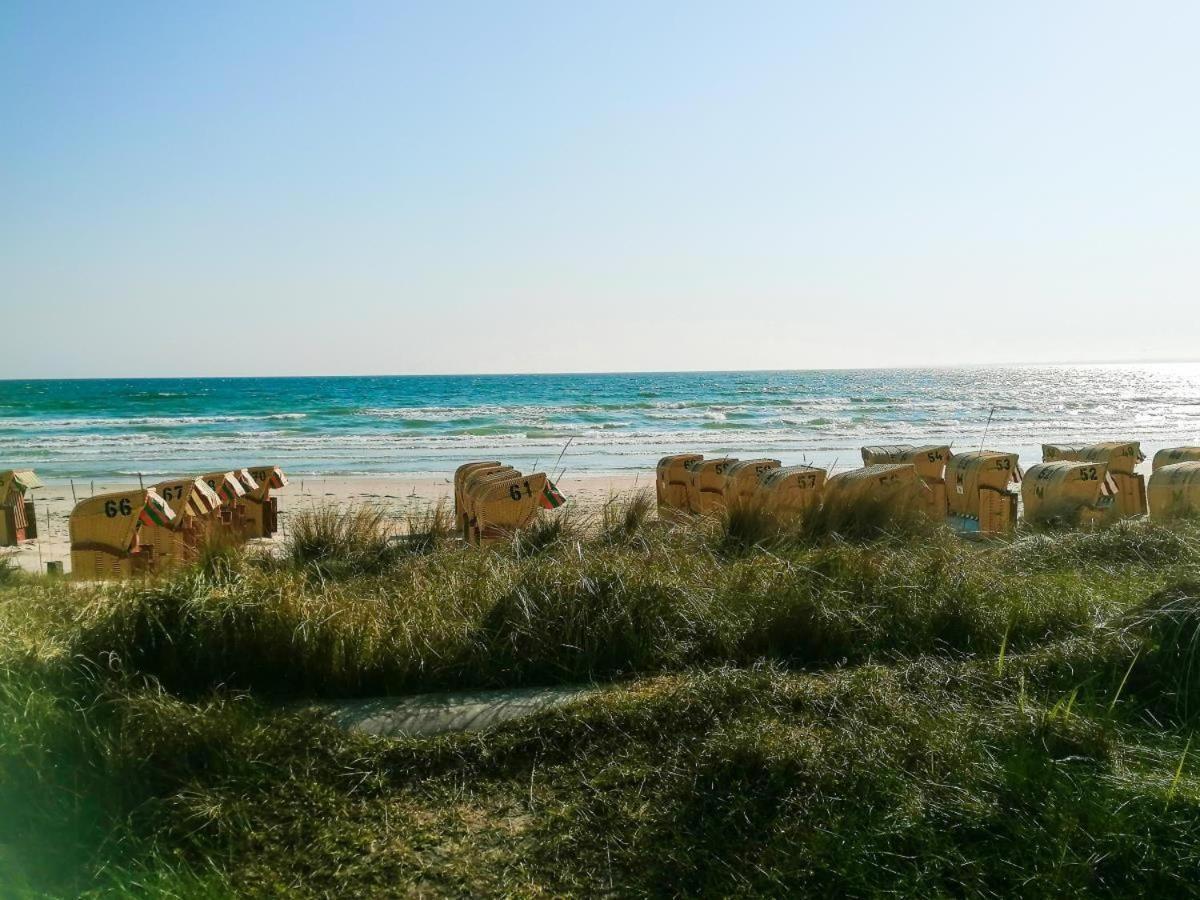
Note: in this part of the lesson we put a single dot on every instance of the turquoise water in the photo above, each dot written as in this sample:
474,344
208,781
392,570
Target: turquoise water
615,423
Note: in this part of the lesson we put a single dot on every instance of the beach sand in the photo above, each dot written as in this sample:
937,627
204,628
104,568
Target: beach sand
398,496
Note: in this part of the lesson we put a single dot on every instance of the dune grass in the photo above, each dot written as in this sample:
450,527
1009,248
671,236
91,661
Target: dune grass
788,712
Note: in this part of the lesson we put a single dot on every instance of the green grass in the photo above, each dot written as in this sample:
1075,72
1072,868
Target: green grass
819,712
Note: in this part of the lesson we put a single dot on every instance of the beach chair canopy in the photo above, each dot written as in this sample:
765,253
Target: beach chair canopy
671,479
1121,457
271,476
742,477
188,498
883,482
930,460
976,470
484,475
706,488
1168,456
1063,489
1174,490
461,474
111,521
247,480
226,485
674,469
803,477
790,490
17,482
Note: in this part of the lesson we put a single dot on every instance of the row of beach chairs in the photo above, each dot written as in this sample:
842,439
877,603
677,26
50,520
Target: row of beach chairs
157,528
153,529
977,491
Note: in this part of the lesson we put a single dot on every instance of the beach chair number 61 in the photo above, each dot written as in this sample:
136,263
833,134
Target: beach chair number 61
514,491
112,508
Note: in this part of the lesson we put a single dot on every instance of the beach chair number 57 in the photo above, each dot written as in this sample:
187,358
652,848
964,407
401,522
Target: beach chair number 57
514,491
112,508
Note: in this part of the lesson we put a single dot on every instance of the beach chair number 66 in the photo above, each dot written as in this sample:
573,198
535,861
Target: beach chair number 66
112,508
514,491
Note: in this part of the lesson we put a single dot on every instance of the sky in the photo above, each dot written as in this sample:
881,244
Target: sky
386,188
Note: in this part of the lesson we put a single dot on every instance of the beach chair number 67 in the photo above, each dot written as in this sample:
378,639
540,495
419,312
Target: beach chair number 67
514,491
112,508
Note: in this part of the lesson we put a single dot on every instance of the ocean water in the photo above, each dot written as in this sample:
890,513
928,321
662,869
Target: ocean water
608,423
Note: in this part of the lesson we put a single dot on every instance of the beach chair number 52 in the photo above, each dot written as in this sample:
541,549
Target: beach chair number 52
514,491
112,508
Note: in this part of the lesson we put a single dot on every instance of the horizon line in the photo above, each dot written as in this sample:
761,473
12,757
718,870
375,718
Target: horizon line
552,374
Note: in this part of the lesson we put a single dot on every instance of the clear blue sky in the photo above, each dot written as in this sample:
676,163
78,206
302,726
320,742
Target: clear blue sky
290,188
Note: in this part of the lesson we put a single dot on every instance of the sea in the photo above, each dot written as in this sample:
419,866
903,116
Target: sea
416,426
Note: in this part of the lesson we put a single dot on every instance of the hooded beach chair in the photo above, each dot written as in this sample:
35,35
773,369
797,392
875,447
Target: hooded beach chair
260,511
789,492
18,520
979,492
503,503
106,530
1069,492
894,488
1168,456
230,489
671,478
478,475
197,509
742,479
1174,490
1121,458
460,477
930,462
706,484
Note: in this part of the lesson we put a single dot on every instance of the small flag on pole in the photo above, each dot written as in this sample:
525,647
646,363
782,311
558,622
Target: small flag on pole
156,512
552,497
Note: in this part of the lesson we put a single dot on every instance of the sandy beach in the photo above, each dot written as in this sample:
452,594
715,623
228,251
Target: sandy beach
398,496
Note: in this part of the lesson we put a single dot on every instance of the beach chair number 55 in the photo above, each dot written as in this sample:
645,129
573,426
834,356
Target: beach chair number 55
514,491
112,509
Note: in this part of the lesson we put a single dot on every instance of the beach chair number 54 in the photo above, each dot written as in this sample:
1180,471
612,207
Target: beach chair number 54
514,491
112,508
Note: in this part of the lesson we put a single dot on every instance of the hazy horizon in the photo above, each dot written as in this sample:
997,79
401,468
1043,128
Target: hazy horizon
516,374
230,191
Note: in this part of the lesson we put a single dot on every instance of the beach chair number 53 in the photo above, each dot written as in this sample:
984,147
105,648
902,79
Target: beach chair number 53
514,491
112,508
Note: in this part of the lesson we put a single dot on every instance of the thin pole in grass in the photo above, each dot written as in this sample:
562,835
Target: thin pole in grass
560,456
1121,687
986,429
1178,773
1003,648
